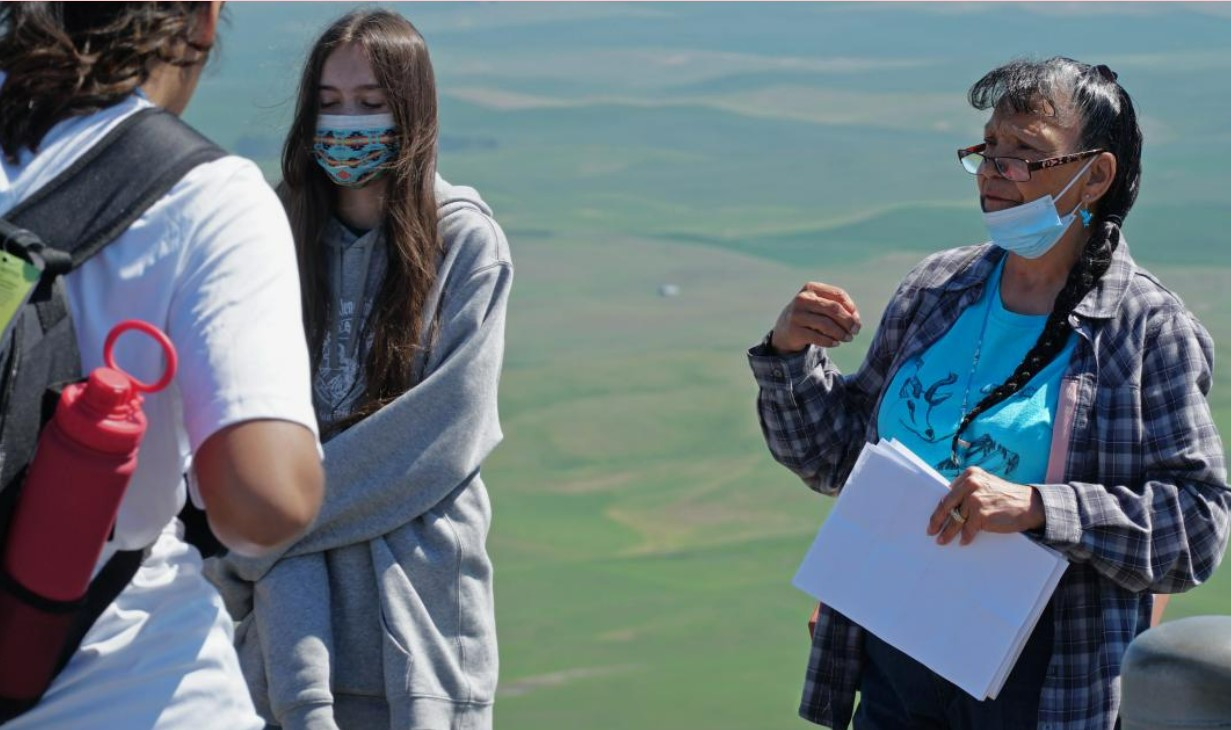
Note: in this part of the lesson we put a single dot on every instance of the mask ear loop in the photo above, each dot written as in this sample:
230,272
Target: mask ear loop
1086,215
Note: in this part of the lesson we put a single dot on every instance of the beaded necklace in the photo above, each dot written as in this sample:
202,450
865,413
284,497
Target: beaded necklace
993,290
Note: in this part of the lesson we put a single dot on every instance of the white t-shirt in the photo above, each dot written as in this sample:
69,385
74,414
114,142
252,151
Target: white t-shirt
212,264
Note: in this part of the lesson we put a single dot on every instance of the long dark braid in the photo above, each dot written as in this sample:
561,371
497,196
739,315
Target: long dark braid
1108,120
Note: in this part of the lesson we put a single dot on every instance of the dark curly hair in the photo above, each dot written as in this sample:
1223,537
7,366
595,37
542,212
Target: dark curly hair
1107,120
65,59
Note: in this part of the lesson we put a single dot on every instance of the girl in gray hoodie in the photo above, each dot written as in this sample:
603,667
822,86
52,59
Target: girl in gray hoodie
382,616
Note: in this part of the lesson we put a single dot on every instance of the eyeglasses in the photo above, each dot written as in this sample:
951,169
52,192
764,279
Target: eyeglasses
1013,168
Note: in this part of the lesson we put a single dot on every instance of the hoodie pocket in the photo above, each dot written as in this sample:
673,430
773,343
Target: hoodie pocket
419,634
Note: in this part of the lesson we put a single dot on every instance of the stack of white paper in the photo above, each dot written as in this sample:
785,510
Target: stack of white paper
964,611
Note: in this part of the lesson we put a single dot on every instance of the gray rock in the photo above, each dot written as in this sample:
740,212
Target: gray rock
1178,675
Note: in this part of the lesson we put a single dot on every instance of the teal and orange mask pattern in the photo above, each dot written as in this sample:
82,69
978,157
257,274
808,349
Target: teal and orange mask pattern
355,150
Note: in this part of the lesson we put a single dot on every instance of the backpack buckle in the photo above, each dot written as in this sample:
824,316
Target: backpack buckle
25,244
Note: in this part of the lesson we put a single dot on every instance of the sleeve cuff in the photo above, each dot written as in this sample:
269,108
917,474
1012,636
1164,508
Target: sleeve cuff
213,417
774,371
309,717
1062,526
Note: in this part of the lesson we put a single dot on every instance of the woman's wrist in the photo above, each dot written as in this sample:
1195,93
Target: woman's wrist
1037,515
768,344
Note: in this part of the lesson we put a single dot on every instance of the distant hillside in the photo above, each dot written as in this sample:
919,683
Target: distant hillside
1157,234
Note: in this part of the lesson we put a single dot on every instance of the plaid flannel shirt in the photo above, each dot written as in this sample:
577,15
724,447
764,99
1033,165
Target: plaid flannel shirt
1141,502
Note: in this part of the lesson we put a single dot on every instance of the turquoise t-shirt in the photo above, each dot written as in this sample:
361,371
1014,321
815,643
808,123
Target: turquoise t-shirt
933,390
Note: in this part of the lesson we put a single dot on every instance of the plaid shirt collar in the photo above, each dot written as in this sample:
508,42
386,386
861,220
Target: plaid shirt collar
1101,302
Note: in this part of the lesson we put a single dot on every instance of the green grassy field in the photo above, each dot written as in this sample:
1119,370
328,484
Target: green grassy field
643,538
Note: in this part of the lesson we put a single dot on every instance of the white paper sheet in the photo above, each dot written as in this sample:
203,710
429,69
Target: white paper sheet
963,611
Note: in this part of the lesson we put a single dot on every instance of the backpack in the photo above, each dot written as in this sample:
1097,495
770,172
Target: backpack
63,224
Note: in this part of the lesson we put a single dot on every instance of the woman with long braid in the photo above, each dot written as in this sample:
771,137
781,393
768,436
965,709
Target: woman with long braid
1059,385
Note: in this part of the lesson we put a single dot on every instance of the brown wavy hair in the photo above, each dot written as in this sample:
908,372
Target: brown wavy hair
65,59
403,69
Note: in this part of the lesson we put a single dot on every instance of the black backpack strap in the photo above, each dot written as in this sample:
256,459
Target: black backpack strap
78,615
108,188
66,222
105,588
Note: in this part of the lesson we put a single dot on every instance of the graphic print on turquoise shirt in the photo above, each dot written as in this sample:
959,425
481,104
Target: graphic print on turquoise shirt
930,392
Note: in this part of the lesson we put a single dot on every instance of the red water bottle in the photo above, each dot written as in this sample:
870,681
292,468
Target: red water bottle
68,504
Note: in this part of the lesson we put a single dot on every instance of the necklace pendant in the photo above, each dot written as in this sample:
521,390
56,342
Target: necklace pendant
957,459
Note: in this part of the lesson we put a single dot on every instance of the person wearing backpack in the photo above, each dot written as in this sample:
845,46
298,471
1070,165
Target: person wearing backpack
382,616
211,262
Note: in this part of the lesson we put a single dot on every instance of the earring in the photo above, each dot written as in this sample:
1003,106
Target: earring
1086,217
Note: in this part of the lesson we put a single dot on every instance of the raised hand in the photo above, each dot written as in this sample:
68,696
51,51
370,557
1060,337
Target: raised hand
820,314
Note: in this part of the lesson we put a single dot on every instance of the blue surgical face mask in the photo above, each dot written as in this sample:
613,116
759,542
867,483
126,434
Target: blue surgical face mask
355,150
1032,229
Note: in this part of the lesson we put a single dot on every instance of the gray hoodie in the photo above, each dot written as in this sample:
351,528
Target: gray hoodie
382,616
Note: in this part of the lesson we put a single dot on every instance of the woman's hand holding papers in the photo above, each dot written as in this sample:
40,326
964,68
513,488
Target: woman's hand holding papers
988,503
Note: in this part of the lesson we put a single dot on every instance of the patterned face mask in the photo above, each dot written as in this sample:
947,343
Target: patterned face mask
355,150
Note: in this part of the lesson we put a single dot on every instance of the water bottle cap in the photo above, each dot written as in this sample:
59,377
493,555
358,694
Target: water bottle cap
163,341
108,391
